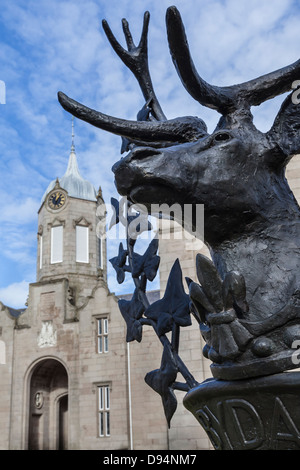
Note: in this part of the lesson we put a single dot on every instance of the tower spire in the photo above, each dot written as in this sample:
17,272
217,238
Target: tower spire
72,181
72,169
73,145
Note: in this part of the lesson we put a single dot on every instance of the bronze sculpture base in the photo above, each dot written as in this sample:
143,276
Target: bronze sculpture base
257,367
253,414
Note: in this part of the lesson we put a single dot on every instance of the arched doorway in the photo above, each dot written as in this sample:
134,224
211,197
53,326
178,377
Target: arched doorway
63,422
48,407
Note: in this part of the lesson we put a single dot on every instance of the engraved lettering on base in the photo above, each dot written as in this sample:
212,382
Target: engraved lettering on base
257,414
243,427
283,426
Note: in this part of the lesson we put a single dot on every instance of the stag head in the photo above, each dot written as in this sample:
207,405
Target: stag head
176,160
251,216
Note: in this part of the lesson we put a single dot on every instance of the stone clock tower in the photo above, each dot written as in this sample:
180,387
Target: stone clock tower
69,244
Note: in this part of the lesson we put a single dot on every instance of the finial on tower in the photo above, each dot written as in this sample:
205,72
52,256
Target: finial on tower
73,145
99,195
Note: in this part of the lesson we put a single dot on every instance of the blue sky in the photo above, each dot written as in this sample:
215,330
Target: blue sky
52,45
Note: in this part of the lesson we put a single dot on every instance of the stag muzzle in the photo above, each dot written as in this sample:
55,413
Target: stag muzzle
159,175
136,169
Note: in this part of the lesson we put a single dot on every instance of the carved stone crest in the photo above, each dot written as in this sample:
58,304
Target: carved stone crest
47,336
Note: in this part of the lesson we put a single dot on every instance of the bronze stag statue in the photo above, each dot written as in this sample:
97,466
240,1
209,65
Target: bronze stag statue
249,298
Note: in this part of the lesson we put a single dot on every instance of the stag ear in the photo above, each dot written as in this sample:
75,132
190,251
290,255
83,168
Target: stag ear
285,131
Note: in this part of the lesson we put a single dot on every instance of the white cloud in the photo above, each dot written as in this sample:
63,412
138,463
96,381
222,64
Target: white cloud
15,295
19,212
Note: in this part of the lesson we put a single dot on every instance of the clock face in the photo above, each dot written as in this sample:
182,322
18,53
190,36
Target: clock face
56,200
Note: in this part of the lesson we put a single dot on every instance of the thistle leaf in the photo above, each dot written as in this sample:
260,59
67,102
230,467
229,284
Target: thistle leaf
210,281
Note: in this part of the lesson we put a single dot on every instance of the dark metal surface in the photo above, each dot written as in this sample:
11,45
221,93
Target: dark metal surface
166,316
254,414
247,299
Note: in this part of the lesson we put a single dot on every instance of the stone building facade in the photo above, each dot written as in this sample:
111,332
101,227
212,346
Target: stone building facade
69,380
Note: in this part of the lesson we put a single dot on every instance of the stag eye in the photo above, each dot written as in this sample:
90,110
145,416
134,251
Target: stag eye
222,137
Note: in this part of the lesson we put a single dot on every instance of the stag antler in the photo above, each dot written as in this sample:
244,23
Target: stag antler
229,101
158,133
136,59
223,99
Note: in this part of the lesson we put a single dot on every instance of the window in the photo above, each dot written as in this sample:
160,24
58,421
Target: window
41,251
82,244
103,410
57,244
102,335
